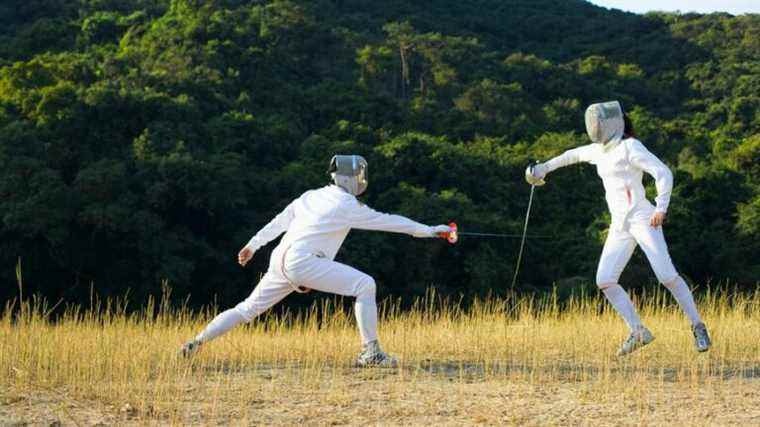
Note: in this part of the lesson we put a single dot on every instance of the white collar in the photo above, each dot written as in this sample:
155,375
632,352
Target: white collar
336,187
606,148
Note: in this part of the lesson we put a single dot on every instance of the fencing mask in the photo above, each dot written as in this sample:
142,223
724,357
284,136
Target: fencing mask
604,123
349,173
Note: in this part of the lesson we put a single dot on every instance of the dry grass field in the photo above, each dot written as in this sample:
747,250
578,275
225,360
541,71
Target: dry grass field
518,361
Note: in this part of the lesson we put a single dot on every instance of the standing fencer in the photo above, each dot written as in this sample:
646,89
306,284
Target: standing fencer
620,161
315,226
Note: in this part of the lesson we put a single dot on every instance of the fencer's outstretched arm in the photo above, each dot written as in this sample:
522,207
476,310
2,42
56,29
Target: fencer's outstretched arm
643,159
277,226
569,157
365,218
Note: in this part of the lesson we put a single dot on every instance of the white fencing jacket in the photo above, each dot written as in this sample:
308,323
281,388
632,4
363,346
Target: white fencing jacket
621,168
319,221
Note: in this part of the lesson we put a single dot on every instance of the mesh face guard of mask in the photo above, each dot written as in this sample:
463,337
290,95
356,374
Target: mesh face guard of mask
349,173
604,122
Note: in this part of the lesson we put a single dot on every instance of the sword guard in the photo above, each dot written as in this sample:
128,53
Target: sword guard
530,178
452,236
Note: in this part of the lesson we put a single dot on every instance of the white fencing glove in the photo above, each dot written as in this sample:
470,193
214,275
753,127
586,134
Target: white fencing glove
535,174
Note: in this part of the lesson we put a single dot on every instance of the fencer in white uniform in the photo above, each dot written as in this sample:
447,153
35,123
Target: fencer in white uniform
315,225
620,161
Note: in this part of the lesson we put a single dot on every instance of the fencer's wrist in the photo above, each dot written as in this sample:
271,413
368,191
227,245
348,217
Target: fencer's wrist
540,170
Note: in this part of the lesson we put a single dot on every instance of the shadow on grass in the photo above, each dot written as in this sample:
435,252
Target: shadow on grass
576,372
470,371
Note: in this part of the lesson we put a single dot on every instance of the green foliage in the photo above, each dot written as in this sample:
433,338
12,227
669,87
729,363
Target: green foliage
145,140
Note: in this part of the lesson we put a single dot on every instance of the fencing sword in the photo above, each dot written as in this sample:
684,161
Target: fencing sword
507,236
533,181
453,235
525,231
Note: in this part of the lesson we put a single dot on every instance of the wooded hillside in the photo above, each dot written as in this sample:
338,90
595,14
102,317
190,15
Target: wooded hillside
143,140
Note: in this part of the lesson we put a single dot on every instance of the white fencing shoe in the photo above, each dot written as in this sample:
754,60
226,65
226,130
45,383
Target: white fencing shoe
701,338
189,348
638,338
373,356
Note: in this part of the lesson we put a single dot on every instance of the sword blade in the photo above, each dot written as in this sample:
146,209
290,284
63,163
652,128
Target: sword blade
516,236
525,232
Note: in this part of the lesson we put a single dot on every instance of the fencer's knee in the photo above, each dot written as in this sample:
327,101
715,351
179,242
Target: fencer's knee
366,286
604,280
605,285
246,311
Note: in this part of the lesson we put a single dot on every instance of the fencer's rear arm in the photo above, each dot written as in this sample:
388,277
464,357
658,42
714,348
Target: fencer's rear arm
643,159
277,226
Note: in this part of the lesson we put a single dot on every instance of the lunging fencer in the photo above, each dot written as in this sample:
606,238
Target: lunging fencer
315,226
620,161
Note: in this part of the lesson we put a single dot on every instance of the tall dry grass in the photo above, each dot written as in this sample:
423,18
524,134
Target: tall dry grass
109,357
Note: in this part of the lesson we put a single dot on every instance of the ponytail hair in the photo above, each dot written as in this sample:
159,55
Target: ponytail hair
628,130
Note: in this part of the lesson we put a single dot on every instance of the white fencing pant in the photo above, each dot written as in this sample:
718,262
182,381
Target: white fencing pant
307,270
617,252
620,245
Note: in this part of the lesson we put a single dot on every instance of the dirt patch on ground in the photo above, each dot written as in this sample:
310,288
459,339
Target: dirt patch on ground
436,394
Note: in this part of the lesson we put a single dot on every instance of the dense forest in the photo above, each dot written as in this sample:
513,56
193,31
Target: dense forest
145,141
